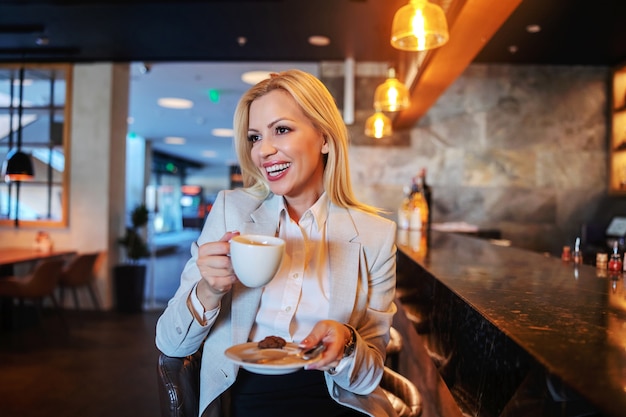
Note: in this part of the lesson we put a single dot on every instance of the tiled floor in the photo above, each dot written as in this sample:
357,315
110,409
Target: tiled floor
103,365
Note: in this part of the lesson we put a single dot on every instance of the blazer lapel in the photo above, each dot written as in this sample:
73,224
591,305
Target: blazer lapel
263,221
343,254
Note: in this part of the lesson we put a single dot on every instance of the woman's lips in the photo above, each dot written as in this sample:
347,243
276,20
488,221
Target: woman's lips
277,171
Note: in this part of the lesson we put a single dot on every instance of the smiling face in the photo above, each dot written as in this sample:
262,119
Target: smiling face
287,148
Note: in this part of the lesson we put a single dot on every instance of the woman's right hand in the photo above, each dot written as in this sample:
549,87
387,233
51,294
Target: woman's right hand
216,270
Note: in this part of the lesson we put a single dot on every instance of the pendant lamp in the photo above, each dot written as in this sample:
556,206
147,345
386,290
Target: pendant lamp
18,166
419,26
378,125
392,95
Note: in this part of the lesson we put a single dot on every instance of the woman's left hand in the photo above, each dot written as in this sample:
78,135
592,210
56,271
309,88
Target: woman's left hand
334,335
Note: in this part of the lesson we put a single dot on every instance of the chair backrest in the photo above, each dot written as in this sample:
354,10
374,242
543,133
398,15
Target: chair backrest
179,388
179,385
80,270
44,278
402,394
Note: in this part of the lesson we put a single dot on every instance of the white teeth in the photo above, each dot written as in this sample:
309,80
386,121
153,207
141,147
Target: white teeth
274,169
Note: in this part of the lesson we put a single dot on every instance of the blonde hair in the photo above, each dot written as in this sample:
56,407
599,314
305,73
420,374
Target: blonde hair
319,107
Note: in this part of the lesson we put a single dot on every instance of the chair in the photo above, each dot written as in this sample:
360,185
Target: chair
79,272
394,347
38,285
179,384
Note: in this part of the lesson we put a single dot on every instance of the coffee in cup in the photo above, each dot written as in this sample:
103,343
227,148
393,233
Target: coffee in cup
256,258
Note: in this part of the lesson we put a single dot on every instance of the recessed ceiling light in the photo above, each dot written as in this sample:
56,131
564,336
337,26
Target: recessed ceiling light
319,40
253,77
209,154
174,140
42,40
222,132
175,103
513,49
533,28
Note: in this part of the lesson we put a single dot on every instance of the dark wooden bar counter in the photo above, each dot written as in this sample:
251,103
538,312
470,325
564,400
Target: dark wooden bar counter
517,333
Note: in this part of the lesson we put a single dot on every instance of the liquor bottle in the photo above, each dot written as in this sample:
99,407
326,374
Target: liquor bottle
615,261
427,192
419,206
577,256
404,211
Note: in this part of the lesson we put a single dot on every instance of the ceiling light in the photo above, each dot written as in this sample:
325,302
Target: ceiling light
175,103
253,77
18,166
319,40
391,95
533,28
42,40
174,140
418,26
378,125
222,132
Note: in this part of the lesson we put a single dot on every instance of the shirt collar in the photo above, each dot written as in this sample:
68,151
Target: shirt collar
319,210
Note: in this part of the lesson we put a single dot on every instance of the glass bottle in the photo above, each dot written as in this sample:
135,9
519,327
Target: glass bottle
577,256
615,261
566,255
427,192
419,206
404,211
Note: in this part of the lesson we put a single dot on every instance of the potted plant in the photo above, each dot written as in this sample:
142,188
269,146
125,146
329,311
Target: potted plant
130,276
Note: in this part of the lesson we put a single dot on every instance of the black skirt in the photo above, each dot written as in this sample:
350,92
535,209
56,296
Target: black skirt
302,393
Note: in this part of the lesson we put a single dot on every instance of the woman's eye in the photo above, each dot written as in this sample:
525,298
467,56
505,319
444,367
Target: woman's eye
253,138
281,130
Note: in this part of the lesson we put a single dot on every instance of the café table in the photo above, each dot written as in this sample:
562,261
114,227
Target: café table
12,255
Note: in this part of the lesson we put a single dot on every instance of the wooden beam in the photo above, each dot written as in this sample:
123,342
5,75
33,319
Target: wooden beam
471,24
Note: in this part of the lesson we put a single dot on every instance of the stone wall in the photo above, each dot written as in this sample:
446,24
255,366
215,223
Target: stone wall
519,148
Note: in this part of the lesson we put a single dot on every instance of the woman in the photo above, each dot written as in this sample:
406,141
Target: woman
336,283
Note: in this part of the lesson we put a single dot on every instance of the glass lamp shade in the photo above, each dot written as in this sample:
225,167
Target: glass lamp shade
391,95
18,167
378,125
418,26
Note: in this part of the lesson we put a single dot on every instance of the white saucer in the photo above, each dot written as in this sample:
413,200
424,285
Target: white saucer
274,361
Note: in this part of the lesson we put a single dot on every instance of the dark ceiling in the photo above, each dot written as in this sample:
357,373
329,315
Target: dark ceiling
574,32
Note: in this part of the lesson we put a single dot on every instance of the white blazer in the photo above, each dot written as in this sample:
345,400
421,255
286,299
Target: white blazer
362,257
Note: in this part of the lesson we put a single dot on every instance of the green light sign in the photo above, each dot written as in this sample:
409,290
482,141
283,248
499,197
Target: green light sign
214,95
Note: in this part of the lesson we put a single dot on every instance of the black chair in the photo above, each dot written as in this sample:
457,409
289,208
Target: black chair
179,384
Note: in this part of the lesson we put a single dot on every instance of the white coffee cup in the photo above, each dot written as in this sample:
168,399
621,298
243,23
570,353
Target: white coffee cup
256,258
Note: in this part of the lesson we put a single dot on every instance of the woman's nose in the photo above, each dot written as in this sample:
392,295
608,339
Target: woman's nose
266,147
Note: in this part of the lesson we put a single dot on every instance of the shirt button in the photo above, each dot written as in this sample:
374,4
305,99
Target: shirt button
179,330
287,309
295,275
